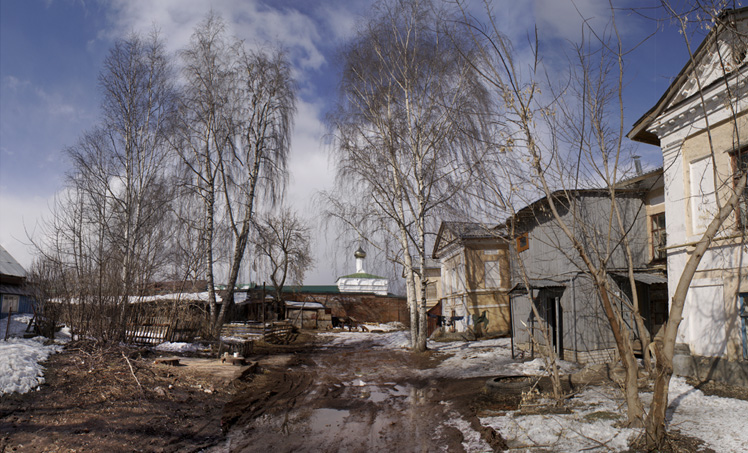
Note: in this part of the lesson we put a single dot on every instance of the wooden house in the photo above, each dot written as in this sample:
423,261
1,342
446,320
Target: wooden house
475,277
559,284
15,296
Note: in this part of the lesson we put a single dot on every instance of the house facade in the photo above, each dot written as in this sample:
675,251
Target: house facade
475,277
558,284
15,296
700,124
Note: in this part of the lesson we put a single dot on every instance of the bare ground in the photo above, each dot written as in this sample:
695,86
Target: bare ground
302,397
93,401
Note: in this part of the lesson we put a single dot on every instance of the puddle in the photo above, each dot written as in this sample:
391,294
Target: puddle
379,393
326,419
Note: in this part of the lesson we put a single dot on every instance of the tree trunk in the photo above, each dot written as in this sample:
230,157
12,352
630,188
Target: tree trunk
655,423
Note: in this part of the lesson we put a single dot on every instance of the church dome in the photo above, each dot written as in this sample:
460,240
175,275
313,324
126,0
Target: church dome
360,253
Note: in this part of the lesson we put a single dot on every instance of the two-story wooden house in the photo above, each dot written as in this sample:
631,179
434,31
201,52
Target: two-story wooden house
475,277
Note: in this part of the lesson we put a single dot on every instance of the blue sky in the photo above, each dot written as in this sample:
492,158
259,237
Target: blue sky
51,53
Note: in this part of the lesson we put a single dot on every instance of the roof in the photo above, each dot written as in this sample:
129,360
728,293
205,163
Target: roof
363,275
535,283
302,305
9,266
648,278
639,129
644,181
531,210
451,232
314,289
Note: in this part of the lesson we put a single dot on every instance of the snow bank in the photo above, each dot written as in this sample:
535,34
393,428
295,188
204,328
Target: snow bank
20,368
719,422
177,347
18,324
589,427
485,358
388,340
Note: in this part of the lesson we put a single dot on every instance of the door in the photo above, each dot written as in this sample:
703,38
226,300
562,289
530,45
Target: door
553,316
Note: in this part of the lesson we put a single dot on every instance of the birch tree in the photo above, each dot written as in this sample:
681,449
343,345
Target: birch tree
106,231
409,110
238,116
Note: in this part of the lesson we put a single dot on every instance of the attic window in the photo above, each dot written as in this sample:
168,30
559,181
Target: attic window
523,242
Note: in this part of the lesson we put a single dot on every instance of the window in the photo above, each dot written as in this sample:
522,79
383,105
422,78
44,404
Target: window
431,291
523,242
740,166
10,302
659,237
492,274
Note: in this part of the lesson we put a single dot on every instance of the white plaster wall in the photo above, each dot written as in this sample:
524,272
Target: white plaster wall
704,319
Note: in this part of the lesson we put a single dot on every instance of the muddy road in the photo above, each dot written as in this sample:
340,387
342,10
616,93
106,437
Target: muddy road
354,398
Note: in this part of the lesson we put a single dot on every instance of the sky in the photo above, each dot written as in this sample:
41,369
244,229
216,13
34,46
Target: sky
51,52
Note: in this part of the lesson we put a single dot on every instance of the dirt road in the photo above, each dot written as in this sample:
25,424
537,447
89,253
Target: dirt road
352,398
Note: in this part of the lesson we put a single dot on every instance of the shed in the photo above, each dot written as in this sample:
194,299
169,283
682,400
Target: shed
308,315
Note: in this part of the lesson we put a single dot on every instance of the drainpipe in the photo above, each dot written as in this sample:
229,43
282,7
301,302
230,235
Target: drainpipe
573,282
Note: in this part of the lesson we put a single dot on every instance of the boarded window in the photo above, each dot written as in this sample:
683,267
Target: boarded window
492,274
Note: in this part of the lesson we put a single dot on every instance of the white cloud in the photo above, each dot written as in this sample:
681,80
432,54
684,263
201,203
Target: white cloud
251,21
21,218
564,19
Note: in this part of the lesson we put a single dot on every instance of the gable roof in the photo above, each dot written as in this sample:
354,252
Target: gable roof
675,94
540,206
9,266
457,232
645,181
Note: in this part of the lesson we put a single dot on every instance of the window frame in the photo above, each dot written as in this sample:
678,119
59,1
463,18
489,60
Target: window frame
522,247
656,232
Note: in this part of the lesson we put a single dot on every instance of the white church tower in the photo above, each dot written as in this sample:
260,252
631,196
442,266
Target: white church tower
361,282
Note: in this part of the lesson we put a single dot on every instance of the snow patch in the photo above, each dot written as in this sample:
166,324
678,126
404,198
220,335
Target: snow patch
20,368
168,346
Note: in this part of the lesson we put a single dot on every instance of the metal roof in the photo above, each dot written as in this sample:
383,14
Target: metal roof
648,278
519,288
307,305
9,266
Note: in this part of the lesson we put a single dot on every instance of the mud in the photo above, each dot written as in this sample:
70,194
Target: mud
354,400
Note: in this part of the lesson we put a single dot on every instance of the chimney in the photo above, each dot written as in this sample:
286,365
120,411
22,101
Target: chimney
638,165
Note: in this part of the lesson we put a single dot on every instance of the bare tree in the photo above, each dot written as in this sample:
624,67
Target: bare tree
568,141
586,115
238,115
283,243
717,64
206,110
409,112
259,144
105,232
